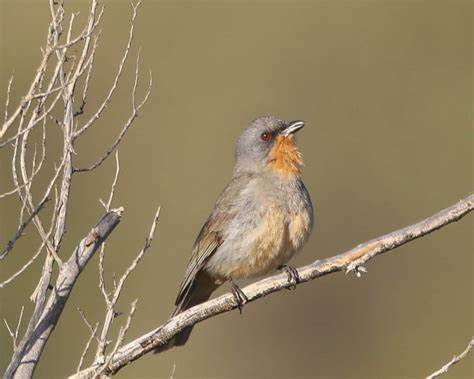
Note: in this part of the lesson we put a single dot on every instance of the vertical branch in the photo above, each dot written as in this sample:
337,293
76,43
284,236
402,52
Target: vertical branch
111,301
57,78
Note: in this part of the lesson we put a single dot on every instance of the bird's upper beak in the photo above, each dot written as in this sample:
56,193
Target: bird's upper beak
291,128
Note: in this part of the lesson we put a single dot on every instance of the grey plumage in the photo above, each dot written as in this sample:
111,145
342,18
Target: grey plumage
260,220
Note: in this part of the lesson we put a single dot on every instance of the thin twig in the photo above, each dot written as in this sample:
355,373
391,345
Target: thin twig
121,337
87,79
102,248
10,332
24,267
7,101
114,183
112,301
39,74
117,75
173,371
19,232
19,323
14,335
86,321
88,344
125,127
452,362
39,118
137,259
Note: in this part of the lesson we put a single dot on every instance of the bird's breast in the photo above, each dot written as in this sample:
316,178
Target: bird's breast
256,247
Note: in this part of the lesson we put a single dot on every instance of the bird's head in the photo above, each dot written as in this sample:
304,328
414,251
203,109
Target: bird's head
268,144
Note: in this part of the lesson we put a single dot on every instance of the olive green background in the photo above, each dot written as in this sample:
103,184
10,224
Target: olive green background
386,91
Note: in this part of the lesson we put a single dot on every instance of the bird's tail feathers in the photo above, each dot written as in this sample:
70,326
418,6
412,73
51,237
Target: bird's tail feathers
201,290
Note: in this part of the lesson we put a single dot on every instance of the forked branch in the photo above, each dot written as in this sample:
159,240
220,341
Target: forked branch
28,352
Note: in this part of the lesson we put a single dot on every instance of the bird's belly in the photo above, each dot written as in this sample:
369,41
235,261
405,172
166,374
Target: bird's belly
263,247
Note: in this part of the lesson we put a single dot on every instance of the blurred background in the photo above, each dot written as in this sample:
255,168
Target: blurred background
385,89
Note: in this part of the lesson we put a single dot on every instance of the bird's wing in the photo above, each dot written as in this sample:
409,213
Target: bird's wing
211,235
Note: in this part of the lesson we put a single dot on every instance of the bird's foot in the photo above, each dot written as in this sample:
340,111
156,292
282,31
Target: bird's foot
239,296
359,270
293,276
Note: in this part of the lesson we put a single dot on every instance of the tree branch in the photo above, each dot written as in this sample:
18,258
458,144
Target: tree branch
351,260
452,362
28,352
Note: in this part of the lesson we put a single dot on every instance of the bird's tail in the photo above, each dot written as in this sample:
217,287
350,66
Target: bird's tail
200,291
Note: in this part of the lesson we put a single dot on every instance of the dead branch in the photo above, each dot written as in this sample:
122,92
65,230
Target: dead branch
118,75
22,227
28,352
58,77
135,109
14,335
349,261
86,348
452,362
111,301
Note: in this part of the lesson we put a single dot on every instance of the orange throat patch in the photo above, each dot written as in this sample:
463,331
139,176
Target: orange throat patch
285,157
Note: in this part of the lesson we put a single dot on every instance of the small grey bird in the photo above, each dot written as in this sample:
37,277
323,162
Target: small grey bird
259,222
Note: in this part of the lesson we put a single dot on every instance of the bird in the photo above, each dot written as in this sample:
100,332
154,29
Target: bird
261,219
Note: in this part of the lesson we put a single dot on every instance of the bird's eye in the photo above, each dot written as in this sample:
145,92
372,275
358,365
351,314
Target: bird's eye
265,136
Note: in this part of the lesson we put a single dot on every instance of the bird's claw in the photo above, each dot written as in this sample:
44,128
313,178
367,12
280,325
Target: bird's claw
357,267
359,270
239,296
293,276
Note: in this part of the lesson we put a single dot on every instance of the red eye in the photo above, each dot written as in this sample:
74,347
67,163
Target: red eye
265,136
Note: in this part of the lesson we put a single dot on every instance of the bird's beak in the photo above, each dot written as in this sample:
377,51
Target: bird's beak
293,127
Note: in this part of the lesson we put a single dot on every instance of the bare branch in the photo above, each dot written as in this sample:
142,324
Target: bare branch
14,335
121,337
38,119
117,75
10,332
138,258
85,89
112,301
17,329
29,96
88,344
162,334
452,362
7,101
28,352
173,371
127,125
114,183
102,248
38,79
23,268
57,77
88,30
86,321
22,227
101,275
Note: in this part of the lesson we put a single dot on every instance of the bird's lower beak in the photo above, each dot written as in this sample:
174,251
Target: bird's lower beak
293,127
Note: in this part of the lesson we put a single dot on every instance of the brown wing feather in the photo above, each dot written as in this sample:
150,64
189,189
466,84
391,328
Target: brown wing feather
210,236
202,251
